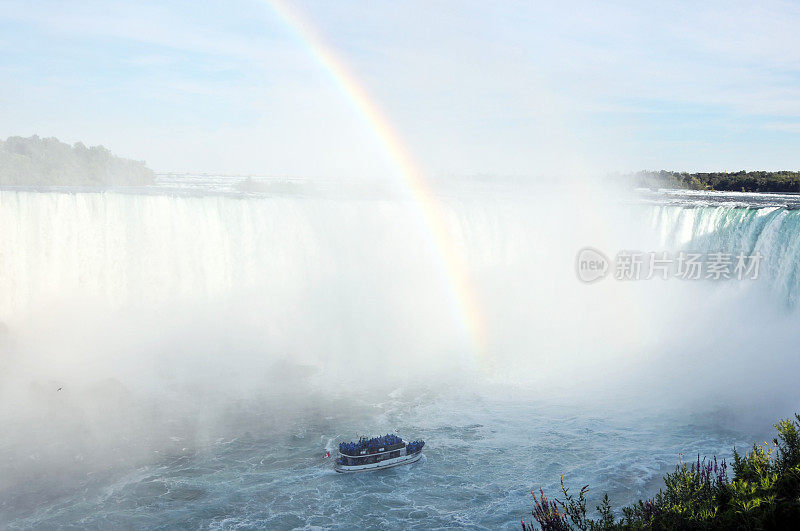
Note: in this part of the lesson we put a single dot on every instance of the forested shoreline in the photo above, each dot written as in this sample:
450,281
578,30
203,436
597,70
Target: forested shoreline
35,161
739,181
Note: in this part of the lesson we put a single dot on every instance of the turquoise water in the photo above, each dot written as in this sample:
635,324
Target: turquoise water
481,460
174,360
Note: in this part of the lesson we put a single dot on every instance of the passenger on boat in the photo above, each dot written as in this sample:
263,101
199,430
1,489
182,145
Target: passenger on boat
369,444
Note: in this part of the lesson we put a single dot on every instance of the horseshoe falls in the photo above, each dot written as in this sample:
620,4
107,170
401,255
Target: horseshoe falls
771,231
185,358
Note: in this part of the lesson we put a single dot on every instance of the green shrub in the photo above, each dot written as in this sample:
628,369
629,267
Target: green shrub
763,494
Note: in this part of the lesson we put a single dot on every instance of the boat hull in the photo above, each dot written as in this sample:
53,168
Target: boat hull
388,463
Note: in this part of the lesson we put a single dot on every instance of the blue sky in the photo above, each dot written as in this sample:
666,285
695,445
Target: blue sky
474,88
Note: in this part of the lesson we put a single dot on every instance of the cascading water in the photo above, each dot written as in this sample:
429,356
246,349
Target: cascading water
210,346
771,231
128,248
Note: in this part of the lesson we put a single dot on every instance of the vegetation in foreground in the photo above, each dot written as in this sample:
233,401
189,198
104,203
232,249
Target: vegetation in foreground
38,161
764,493
739,181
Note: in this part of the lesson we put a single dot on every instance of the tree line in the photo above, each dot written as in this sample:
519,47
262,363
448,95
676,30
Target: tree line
739,181
35,161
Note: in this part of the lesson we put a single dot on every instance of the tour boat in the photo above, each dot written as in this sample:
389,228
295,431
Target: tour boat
377,453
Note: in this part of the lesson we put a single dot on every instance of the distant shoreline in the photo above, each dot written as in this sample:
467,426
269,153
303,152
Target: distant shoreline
35,161
783,181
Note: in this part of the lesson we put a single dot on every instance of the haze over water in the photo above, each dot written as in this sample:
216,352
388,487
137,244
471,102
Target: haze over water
182,355
211,345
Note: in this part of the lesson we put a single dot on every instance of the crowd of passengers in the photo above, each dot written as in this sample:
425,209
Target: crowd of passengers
414,447
353,448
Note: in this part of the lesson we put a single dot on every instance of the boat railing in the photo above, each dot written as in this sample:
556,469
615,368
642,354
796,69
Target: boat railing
370,454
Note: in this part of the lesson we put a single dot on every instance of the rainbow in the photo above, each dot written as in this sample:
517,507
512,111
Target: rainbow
462,292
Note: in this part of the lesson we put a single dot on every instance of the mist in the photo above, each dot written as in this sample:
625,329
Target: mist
181,349
143,325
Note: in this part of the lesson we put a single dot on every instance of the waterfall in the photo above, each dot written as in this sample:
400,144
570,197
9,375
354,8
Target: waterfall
328,280
774,232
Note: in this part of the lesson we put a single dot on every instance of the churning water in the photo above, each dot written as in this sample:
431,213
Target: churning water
184,358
